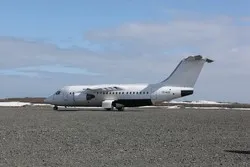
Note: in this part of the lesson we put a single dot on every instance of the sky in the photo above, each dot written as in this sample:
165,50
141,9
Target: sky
45,45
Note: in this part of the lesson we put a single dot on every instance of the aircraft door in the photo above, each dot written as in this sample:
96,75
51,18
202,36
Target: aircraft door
65,96
69,98
73,96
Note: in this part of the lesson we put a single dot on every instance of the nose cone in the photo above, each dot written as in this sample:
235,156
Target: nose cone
48,100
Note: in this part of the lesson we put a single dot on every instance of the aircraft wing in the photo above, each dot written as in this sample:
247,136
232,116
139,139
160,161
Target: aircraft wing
102,89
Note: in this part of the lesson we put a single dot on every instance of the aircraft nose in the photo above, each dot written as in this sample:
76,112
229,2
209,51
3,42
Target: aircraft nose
48,100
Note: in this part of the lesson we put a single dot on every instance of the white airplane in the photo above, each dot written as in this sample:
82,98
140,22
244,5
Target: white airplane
180,83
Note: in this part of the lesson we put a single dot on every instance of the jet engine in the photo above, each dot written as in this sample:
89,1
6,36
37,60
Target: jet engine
84,97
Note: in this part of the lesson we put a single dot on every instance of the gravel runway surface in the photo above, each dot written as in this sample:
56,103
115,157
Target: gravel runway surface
39,136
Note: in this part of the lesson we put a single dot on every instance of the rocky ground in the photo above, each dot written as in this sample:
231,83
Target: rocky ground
39,136
40,100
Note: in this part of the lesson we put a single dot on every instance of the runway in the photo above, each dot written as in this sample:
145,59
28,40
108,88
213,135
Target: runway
39,136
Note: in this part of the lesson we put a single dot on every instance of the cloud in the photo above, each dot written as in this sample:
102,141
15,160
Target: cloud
175,34
224,39
219,38
18,73
23,52
21,55
28,65
133,53
246,19
37,71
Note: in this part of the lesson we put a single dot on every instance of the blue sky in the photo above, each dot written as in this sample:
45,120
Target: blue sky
87,41
62,21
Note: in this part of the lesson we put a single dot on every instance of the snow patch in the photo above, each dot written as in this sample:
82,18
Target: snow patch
241,108
20,104
196,102
14,104
40,104
168,107
217,108
210,108
173,107
148,107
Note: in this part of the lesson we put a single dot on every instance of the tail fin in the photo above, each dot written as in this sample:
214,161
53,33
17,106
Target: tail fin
187,72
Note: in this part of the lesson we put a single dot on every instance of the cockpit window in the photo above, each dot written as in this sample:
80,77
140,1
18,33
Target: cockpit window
58,92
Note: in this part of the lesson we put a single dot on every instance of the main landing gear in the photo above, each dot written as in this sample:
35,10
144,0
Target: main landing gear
118,108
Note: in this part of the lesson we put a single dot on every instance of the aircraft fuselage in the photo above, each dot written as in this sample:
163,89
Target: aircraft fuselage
130,95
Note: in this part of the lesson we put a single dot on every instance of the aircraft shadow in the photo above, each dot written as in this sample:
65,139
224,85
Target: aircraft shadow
66,110
74,110
238,151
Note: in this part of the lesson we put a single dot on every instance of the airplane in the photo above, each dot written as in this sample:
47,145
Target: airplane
180,83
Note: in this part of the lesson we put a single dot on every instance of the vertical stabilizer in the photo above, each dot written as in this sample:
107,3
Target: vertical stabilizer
187,72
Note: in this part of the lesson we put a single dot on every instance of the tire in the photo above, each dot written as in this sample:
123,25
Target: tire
109,109
55,108
120,108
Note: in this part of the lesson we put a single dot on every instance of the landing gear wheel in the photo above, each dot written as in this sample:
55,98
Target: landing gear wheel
120,108
55,108
109,109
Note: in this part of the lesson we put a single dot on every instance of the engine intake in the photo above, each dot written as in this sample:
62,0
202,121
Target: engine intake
83,97
90,96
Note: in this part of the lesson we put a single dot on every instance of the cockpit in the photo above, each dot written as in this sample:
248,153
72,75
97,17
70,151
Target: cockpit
54,98
58,92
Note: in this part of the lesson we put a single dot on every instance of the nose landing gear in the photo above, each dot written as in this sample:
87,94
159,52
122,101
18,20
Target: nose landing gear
55,108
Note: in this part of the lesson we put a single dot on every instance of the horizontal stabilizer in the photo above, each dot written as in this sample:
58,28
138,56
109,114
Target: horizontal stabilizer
198,57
